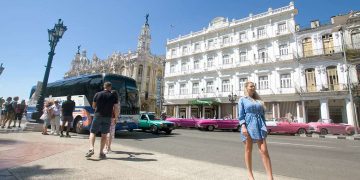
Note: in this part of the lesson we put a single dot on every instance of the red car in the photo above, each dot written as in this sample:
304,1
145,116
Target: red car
283,126
325,126
212,124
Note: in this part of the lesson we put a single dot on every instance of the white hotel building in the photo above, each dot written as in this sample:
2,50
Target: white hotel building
203,68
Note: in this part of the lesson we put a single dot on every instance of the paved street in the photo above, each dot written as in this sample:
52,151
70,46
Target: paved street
186,154
292,156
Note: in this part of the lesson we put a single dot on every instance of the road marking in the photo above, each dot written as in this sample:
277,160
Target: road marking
301,145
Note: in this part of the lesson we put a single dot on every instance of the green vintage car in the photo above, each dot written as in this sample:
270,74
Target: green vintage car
148,121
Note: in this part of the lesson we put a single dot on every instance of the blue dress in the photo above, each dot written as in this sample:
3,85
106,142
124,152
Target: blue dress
252,114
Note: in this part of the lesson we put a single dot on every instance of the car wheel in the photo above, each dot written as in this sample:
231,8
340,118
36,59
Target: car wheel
323,131
143,129
269,131
79,128
168,131
210,128
154,129
301,131
349,131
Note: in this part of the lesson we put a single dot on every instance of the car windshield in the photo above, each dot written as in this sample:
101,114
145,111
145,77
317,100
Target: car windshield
153,117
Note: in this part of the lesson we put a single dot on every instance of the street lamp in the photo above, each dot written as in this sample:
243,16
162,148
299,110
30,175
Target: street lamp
232,99
1,68
55,35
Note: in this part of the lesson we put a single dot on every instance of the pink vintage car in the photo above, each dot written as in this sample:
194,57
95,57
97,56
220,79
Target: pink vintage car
282,126
211,124
325,126
183,122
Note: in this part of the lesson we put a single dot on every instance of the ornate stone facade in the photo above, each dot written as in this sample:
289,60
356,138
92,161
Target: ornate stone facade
144,67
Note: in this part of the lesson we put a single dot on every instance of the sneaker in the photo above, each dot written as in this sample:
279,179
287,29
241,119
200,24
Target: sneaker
102,156
9,127
90,153
61,135
68,136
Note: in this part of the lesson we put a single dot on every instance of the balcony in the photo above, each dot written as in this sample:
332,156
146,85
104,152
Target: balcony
331,52
323,88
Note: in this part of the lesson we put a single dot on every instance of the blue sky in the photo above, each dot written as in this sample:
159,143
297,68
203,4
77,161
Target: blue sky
102,27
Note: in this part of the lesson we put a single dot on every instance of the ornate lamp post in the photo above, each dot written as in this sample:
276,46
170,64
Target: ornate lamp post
232,99
55,35
1,68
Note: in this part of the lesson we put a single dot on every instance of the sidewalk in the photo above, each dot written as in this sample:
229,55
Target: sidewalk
330,136
30,155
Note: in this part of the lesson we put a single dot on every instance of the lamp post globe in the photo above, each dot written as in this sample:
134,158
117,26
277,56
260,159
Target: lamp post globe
55,35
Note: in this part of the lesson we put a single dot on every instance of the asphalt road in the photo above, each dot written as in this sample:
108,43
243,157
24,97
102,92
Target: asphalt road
293,156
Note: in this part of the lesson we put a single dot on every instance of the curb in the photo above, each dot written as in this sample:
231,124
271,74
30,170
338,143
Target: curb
331,136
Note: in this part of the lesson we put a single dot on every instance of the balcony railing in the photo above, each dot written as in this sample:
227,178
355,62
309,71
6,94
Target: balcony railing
323,88
328,51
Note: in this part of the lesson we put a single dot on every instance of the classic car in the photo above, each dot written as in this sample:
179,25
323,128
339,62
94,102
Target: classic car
183,122
212,124
283,126
148,121
325,126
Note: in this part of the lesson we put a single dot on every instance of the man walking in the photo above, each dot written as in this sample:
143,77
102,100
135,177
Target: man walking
67,109
103,104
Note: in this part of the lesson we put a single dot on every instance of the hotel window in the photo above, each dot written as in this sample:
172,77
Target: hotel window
196,64
226,85
285,81
284,50
210,62
281,27
171,90
242,36
263,82
242,82
140,71
185,50
242,56
197,46
261,32
211,43
226,40
209,86
226,59
172,68
183,89
183,66
195,88
173,52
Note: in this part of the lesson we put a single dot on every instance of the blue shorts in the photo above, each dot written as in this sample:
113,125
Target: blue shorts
101,124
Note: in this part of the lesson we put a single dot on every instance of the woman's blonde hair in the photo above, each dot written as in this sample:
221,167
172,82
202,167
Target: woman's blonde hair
255,96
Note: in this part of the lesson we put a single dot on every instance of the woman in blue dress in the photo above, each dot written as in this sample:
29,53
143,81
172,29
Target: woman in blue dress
253,128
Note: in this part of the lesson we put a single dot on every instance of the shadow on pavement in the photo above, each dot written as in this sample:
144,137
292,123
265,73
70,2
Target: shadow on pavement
36,171
8,142
131,156
136,135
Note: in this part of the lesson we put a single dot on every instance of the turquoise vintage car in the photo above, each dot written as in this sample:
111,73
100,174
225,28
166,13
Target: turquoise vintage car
148,121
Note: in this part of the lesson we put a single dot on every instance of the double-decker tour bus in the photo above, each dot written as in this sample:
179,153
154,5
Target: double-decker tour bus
82,90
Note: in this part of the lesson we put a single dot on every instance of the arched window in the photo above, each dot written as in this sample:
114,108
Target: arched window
140,71
307,47
332,78
310,80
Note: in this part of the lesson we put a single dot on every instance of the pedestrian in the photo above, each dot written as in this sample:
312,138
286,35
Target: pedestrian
103,104
2,101
46,116
9,112
67,109
13,104
114,118
19,112
253,128
55,121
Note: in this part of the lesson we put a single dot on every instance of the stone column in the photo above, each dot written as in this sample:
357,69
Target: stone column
324,108
304,119
135,73
349,112
219,112
189,115
273,110
236,111
278,110
177,111
203,112
298,111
